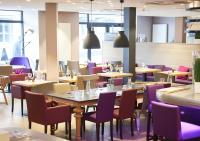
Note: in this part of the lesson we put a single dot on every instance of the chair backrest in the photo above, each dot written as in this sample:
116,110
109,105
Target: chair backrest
17,77
127,103
24,61
158,76
36,106
36,64
166,121
90,66
62,67
73,66
119,63
5,70
151,92
96,70
82,79
17,92
118,81
105,106
61,87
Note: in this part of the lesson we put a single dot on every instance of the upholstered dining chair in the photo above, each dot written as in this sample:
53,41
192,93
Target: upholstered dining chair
126,109
102,81
17,92
167,124
39,112
151,96
104,113
3,83
90,65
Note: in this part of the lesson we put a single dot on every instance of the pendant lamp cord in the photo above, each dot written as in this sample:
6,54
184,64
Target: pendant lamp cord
121,1
91,14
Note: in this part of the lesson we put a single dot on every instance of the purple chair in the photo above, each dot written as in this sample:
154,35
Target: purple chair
90,66
102,81
104,113
39,112
126,109
118,81
167,124
24,61
151,96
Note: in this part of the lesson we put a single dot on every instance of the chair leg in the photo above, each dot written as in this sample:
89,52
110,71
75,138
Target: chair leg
132,132
117,125
97,131
57,126
111,130
29,124
52,129
12,109
87,109
66,128
102,128
45,129
70,134
148,125
155,137
4,95
22,105
121,127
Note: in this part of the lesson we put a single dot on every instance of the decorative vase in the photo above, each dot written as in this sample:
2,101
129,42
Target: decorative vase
197,87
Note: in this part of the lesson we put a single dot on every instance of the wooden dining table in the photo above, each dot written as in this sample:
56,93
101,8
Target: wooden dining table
174,74
80,98
144,71
115,74
31,84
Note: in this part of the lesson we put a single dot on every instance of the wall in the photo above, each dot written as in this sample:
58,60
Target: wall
71,20
171,26
172,55
32,49
144,26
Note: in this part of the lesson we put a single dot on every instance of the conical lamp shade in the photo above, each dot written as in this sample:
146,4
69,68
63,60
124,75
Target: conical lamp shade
91,41
121,41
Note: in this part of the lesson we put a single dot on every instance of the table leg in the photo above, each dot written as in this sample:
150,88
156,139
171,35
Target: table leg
145,76
78,115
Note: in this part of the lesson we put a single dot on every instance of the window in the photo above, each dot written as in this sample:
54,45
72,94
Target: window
5,32
103,24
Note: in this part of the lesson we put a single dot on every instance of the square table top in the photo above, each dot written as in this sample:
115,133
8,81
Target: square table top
140,70
30,83
115,74
68,79
176,73
93,94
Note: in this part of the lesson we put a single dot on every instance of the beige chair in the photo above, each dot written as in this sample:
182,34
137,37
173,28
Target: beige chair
3,83
61,87
6,70
82,80
158,76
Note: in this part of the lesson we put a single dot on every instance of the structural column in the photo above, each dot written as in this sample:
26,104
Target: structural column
130,31
51,41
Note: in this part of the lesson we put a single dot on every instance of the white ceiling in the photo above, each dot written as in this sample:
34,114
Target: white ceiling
144,7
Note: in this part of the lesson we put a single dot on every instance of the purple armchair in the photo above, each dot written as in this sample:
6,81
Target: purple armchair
167,124
39,112
24,61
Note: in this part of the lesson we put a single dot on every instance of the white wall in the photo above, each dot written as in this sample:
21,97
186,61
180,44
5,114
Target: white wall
32,50
172,55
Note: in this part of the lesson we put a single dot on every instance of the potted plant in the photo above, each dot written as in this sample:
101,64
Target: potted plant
197,75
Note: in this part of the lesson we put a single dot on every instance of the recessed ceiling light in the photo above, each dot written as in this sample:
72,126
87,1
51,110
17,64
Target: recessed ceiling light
1,2
73,3
28,0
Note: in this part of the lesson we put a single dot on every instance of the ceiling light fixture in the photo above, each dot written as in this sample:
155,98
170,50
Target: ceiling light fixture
121,41
91,41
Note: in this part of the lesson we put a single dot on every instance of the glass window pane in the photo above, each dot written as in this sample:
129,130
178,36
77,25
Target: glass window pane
6,38
1,27
1,37
82,52
10,15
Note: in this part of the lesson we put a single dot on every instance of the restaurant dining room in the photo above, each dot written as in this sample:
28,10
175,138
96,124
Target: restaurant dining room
99,70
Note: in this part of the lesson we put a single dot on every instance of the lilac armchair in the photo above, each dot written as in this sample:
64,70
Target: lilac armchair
167,124
24,61
39,112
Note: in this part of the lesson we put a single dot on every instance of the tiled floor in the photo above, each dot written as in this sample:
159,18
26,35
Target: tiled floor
7,119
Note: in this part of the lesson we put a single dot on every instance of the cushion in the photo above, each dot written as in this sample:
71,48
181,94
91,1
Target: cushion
183,69
189,131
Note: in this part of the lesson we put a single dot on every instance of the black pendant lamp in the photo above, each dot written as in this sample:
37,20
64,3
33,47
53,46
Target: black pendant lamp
91,41
121,41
